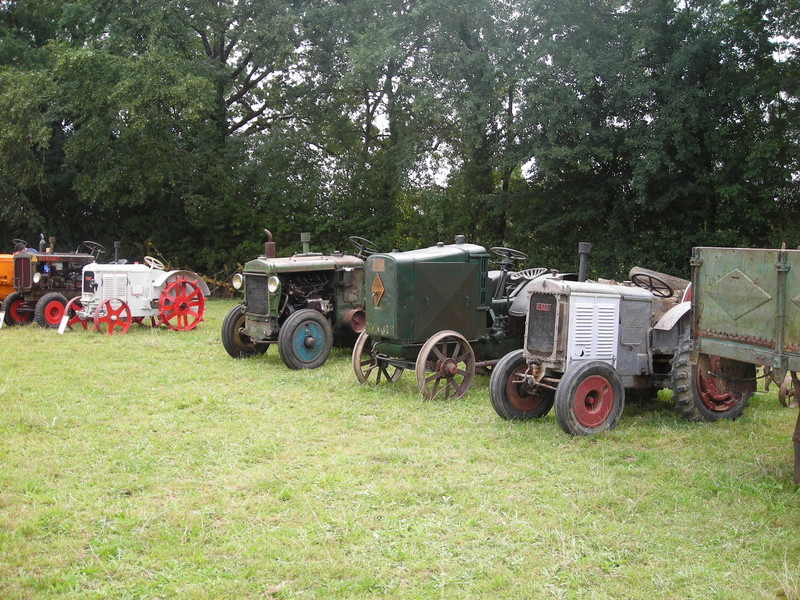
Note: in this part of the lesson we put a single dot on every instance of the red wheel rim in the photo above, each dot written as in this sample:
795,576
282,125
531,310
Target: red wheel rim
113,314
593,401
53,311
712,390
17,313
519,394
181,305
71,309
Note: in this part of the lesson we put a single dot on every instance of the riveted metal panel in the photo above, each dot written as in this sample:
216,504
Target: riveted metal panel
447,296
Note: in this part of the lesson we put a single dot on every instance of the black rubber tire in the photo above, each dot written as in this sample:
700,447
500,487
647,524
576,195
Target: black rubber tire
44,315
504,394
305,324
571,394
15,299
236,343
687,395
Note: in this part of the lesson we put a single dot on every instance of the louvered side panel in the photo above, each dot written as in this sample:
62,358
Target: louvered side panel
114,285
593,328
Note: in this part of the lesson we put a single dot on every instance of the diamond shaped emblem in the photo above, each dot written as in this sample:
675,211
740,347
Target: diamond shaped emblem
737,294
377,290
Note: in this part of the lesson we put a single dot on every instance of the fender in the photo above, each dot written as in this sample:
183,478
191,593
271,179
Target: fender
169,276
672,316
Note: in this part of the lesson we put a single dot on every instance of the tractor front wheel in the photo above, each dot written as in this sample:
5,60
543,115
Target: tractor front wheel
50,309
113,314
513,398
589,398
17,311
305,339
235,342
181,305
368,366
713,389
72,310
445,365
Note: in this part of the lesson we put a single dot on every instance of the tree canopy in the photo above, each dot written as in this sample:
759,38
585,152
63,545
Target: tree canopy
644,127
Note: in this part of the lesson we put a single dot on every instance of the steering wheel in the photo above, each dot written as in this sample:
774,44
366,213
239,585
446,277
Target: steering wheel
528,273
363,245
508,253
16,241
94,247
153,263
658,286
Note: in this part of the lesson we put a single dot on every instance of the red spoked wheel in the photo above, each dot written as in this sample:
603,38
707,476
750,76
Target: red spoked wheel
113,314
181,305
72,310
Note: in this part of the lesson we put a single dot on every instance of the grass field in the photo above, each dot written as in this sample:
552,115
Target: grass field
152,465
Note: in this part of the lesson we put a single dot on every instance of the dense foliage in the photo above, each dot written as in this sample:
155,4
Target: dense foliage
187,126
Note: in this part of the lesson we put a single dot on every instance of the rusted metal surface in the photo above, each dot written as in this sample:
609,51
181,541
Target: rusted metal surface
744,339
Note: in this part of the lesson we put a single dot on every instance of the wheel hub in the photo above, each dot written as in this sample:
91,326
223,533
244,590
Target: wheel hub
448,367
309,341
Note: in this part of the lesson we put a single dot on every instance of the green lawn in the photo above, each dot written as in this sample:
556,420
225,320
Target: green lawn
152,465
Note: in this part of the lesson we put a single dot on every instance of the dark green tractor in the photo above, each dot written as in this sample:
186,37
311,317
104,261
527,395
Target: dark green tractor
442,312
305,303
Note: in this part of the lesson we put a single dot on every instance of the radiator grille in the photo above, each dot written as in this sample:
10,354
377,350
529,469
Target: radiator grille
256,294
540,338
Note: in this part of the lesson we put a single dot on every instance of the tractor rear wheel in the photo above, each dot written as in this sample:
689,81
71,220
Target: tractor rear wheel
513,399
50,309
17,311
716,388
368,367
589,398
181,305
446,363
305,339
235,342
112,314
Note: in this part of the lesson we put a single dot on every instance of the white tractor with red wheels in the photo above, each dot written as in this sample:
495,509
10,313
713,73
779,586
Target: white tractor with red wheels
115,296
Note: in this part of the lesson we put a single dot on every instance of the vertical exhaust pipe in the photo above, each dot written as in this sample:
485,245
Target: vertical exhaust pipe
42,244
584,250
306,239
117,246
269,245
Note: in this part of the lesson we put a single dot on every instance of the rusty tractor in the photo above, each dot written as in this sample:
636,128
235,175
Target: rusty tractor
305,303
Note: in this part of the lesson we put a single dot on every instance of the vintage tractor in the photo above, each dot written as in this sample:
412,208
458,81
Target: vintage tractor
116,295
441,312
589,345
746,313
44,281
305,303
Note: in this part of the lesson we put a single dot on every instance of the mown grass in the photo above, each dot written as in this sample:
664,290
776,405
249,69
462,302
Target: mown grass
152,465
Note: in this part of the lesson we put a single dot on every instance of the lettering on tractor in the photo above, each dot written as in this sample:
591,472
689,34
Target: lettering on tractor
599,343
305,303
442,312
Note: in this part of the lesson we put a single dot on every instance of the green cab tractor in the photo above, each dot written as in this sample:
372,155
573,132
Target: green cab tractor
305,303
442,312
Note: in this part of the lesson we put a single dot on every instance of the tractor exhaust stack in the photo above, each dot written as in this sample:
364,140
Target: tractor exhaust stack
269,245
584,250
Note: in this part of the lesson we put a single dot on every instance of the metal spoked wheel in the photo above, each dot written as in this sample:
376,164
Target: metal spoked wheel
72,312
181,305
113,314
368,367
445,366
